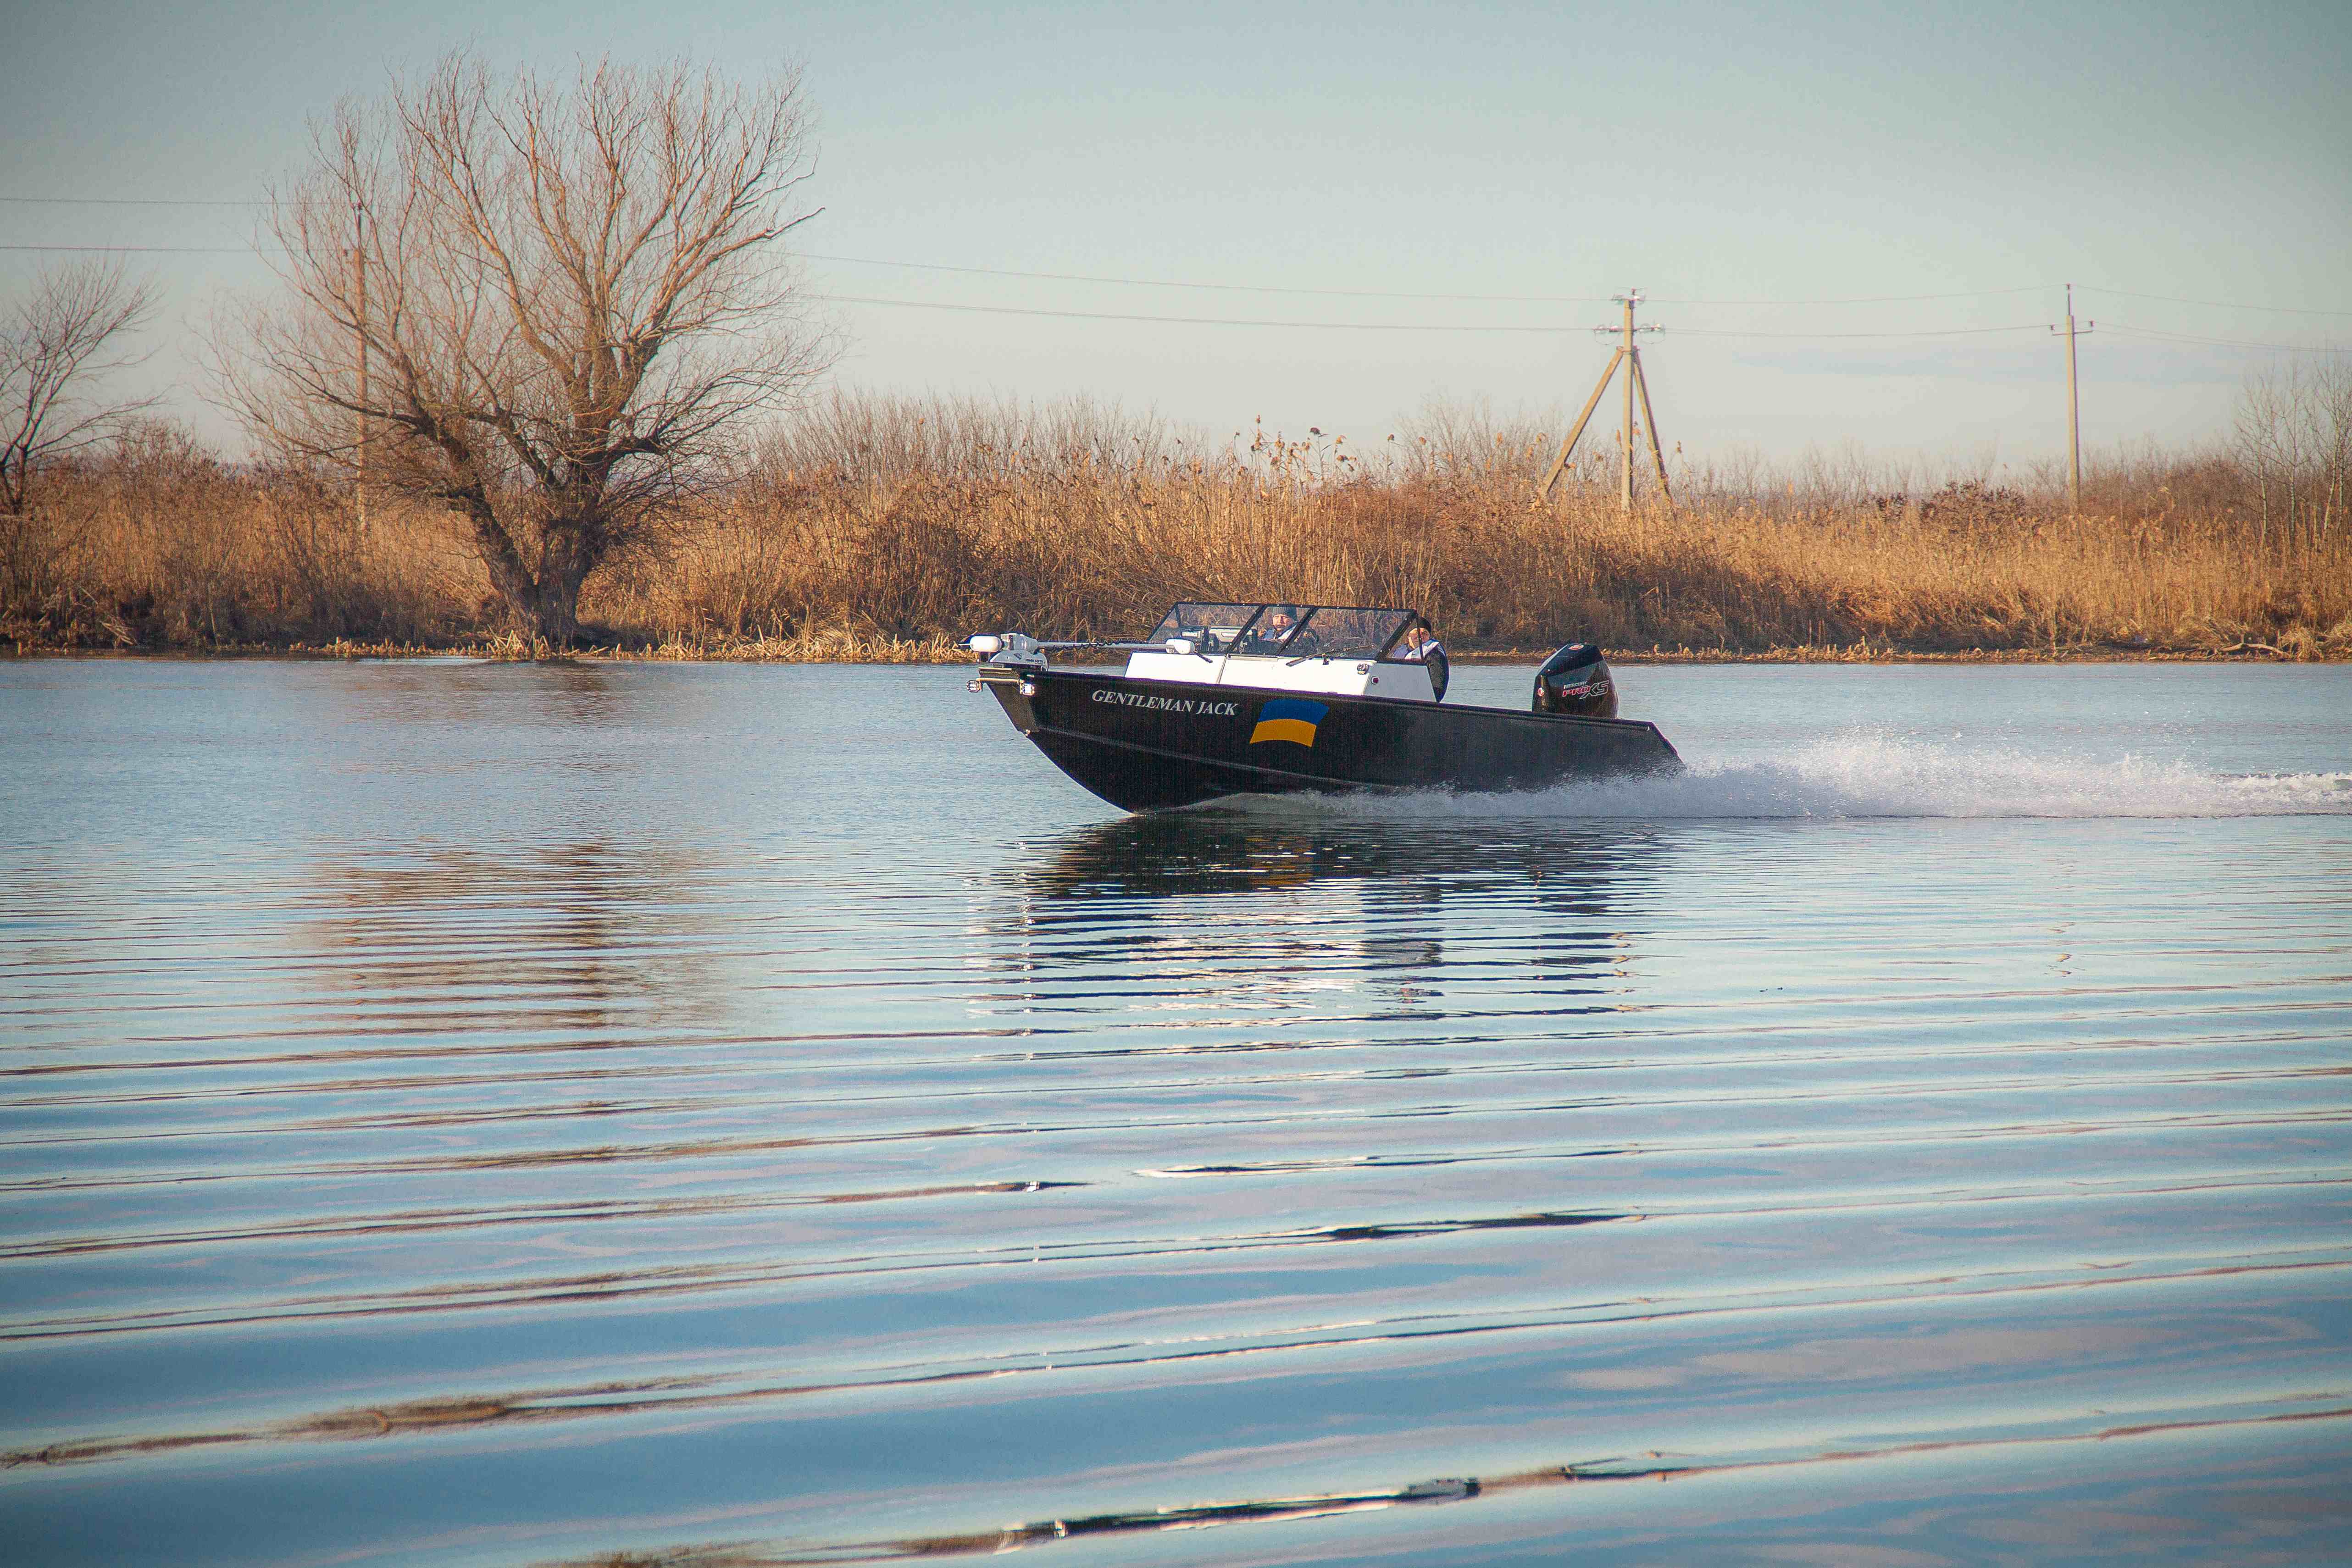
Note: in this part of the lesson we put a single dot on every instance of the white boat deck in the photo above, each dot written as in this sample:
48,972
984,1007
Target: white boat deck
1401,679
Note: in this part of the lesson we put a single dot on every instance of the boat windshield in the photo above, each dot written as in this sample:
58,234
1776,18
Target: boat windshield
1347,633
1213,628
1331,630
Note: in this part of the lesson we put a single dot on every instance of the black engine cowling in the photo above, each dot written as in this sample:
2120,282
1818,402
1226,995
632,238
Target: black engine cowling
1576,681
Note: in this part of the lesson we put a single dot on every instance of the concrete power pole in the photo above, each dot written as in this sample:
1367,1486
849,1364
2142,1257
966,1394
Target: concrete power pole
2074,411
1630,357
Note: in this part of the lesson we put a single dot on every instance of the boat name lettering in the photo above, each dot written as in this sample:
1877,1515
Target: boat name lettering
1170,705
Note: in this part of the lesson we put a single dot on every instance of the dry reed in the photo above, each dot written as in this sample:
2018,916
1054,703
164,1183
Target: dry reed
881,529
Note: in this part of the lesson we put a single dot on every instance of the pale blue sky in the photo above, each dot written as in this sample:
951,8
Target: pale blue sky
1703,152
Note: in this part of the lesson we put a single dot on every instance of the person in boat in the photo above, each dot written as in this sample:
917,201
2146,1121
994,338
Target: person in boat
1422,647
1281,634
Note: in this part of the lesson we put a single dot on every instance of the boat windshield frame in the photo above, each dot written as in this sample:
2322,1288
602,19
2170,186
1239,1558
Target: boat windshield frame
1227,629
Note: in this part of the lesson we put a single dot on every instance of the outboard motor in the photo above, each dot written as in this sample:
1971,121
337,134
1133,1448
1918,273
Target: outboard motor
1576,681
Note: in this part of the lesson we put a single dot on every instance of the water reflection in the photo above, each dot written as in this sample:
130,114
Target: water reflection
561,694
580,938
1567,868
1271,905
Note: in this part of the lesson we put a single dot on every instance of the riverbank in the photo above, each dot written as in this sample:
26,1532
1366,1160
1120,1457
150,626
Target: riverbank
878,530
845,649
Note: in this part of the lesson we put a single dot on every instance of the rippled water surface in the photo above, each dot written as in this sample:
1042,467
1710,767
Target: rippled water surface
488,1115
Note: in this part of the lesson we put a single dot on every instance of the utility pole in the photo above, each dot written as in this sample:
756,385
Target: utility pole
359,322
1630,357
2074,411
1625,431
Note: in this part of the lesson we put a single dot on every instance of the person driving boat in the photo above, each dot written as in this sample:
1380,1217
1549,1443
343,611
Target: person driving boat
1281,632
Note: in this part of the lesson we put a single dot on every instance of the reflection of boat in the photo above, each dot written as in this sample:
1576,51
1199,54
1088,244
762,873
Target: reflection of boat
1568,870
1273,904
1234,699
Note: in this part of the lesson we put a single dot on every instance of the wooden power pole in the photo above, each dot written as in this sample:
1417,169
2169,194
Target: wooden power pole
1629,356
2073,410
359,323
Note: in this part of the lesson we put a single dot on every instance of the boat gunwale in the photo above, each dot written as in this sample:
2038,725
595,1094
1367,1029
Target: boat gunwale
1011,673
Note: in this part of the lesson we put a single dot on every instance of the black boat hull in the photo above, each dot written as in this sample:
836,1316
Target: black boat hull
1150,745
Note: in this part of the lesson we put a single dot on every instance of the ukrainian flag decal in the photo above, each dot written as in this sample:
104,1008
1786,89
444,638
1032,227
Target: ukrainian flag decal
1289,718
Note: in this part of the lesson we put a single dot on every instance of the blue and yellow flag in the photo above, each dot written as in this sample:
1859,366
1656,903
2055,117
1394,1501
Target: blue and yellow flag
1289,718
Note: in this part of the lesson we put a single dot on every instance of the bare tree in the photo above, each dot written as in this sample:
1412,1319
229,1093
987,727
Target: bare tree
2331,384
57,344
541,306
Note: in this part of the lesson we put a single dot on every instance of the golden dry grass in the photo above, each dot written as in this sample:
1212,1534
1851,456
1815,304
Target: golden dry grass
881,530
925,518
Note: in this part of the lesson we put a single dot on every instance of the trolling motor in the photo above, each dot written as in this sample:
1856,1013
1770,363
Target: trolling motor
1575,680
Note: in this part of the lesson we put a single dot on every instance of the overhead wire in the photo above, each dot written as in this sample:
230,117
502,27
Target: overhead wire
1183,283
1379,326
125,202
2216,304
1198,320
1118,280
1862,298
1113,278
2222,342
1220,287
142,249
1932,332
1282,289
1393,294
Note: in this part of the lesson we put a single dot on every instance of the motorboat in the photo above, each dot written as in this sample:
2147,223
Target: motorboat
1282,698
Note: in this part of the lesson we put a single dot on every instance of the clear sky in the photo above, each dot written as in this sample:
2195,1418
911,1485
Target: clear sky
1709,153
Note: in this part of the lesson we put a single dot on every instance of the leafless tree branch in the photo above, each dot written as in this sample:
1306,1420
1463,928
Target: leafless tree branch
545,306
57,344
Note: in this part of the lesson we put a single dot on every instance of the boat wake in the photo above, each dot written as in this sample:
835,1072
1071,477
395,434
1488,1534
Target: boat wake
1876,776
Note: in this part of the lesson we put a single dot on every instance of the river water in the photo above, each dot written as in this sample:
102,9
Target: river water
477,1113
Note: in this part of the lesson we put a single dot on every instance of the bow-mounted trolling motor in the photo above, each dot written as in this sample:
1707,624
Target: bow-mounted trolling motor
1576,681
1010,658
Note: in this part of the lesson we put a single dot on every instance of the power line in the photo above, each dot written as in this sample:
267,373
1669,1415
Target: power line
1371,326
142,249
1139,282
1869,298
1550,331
2217,304
1181,283
1388,293
1935,332
124,201
1120,281
1112,278
2227,343
1221,288
1189,320
1322,326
